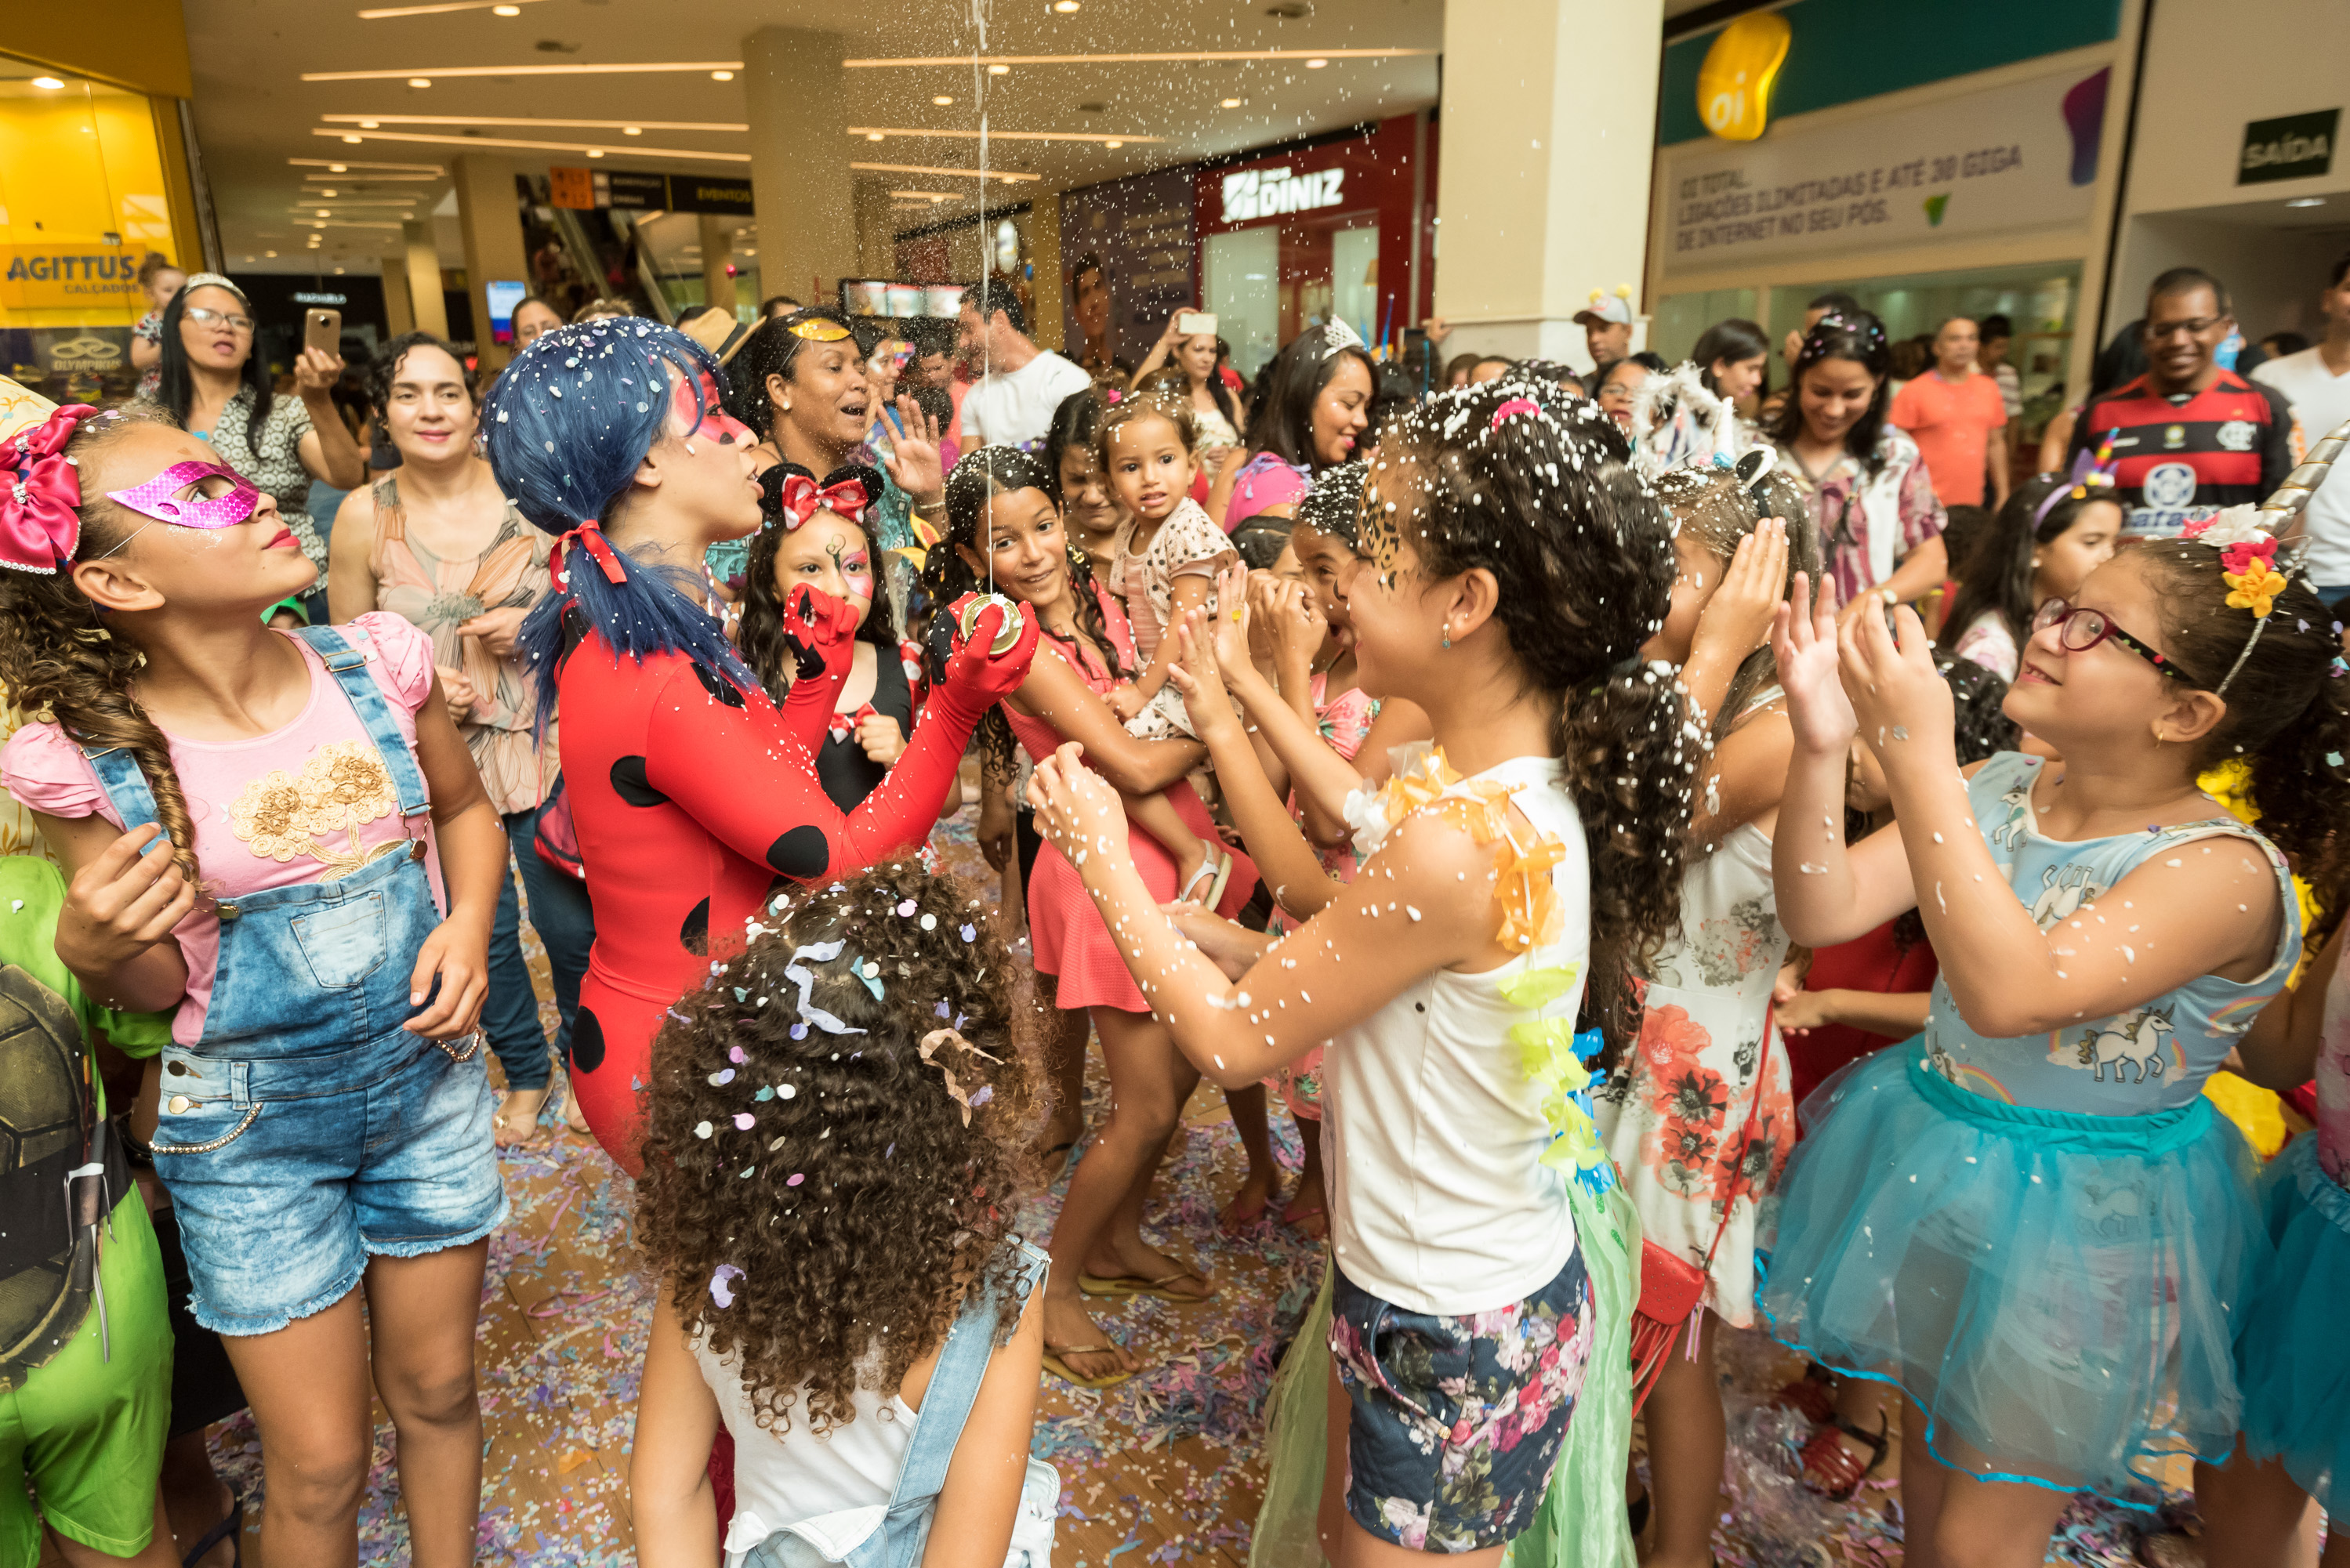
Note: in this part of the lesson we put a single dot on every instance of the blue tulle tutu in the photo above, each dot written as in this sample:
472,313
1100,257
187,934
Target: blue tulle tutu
2059,1292
2295,1367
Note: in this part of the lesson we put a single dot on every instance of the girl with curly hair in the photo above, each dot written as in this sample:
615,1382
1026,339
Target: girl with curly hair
1515,565
834,1151
1002,526
281,840
2078,1253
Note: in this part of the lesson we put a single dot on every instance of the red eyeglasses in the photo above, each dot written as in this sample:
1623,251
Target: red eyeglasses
2080,630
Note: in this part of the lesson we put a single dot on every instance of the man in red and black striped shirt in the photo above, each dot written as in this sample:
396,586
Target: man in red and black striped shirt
2188,438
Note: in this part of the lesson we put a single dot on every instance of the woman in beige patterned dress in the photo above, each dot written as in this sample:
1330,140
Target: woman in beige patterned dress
434,542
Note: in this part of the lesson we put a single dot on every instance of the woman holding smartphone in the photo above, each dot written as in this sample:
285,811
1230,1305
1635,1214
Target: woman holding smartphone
1189,342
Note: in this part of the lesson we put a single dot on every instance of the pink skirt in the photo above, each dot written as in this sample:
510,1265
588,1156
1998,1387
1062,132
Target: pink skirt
1071,943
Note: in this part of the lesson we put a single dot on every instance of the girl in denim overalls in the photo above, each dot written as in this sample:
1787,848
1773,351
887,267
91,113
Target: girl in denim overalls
248,820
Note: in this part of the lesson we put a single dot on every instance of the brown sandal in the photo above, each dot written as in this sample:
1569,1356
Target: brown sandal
1834,1471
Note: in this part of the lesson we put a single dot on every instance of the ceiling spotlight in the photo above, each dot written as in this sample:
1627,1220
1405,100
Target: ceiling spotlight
595,152
873,136
427,81
264,252
1232,103
722,76
369,124
2306,202
337,168
1315,64
339,272
354,140
323,213
998,70
1064,6
1113,141
326,192
49,84
943,99
632,131
495,10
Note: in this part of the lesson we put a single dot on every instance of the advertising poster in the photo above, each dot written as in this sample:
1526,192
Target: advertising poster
1127,251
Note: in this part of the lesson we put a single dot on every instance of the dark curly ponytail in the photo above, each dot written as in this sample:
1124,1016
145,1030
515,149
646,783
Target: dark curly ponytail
1533,486
58,662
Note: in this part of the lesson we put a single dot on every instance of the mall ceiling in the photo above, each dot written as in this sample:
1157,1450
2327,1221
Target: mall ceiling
256,116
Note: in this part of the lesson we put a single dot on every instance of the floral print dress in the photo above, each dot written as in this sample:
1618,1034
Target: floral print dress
1699,1117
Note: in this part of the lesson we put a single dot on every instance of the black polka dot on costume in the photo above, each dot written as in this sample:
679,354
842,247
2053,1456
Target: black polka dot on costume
719,688
629,783
586,1040
694,934
803,852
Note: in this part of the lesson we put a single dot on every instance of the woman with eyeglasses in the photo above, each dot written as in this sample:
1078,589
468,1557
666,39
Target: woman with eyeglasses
217,389
1878,520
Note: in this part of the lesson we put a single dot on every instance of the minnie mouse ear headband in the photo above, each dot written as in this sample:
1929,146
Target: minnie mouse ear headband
791,495
40,492
2248,543
714,328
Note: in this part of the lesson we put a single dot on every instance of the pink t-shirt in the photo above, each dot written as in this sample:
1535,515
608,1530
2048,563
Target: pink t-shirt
306,804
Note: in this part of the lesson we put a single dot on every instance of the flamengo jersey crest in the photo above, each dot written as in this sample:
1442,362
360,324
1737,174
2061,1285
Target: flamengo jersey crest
1268,193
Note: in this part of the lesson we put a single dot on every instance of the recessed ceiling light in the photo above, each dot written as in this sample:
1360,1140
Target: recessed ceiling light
264,252
1232,103
369,124
499,11
1064,6
323,213
722,76
632,131
2306,202
420,81
943,99
339,272
326,192
873,136
1315,64
595,152
337,168
998,70
1113,141
49,83
354,140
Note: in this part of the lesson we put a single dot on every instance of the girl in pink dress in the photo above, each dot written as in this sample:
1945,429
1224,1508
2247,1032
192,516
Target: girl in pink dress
1002,525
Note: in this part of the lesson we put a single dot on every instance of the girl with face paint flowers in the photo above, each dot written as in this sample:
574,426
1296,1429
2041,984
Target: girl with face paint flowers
693,795
262,831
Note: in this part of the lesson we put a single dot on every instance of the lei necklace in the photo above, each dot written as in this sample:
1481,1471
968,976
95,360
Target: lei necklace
1553,1053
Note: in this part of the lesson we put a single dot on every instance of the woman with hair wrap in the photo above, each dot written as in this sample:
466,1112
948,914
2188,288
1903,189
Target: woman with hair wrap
692,794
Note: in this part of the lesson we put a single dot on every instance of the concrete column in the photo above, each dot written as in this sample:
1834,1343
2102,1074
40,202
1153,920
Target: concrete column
427,312
795,98
717,252
491,224
398,315
1045,255
1559,99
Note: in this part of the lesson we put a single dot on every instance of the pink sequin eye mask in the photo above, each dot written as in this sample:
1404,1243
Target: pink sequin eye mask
159,497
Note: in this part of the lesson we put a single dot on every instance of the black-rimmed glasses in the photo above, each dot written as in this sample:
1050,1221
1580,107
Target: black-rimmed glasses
2080,630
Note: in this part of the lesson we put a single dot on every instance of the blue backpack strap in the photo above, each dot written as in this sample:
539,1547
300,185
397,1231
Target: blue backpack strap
125,784
348,665
954,1389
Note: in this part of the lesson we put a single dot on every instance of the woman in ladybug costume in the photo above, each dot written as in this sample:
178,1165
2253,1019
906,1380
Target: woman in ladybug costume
692,795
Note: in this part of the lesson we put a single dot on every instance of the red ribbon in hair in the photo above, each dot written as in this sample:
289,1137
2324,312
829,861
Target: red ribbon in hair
801,499
589,536
40,495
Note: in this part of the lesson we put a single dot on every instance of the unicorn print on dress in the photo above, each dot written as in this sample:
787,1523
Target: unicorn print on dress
2009,835
2063,890
2133,1036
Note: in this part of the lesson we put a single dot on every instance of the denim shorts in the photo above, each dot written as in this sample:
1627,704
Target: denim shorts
1458,1422
288,1174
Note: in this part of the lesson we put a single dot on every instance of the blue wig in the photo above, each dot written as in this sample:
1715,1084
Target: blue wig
568,422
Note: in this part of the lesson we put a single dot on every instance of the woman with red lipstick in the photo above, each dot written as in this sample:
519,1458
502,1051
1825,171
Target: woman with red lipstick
217,389
437,544
1316,407
692,795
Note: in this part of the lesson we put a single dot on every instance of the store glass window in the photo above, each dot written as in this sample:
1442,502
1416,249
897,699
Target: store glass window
1244,272
83,202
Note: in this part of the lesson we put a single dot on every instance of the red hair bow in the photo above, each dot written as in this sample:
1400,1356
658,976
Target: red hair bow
800,499
40,495
589,536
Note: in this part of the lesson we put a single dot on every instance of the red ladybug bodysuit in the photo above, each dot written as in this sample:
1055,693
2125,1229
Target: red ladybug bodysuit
692,800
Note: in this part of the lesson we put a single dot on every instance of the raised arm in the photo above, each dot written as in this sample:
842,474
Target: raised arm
1425,902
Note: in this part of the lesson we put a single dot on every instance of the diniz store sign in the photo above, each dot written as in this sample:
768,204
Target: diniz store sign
1252,193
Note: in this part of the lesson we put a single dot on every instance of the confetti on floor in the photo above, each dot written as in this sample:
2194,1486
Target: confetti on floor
1164,1469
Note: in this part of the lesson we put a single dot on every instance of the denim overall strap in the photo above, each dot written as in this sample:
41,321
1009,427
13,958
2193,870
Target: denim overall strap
946,1402
348,665
125,784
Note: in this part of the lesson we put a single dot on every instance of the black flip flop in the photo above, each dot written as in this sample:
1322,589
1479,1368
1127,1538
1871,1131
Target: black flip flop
230,1529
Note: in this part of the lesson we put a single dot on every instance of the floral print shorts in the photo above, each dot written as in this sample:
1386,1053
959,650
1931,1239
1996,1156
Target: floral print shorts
1458,1421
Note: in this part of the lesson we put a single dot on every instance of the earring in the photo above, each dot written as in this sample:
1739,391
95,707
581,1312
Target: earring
1448,634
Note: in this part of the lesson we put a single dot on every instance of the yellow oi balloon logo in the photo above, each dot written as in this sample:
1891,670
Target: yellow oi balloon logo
1733,85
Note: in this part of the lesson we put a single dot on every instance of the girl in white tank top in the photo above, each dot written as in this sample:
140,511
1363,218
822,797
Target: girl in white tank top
1513,566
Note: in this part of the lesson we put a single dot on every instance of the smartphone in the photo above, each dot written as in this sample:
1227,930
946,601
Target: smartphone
1194,323
323,331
